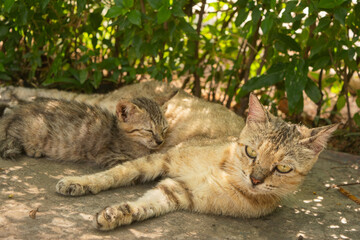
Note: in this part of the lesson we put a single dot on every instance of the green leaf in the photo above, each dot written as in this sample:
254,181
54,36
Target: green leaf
135,17
330,3
310,20
312,91
188,29
358,98
115,11
241,17
290,43
128,3
8,5
341,102
177,9
44,3
83,75
24,14
295,82
274,75
50,81
3,30
155,4
340,15
256,15
137,42
4,76
80,5
97,77
321,62
95,19
272,4
267,24
2,68
163,14
357,118
323,24
317,47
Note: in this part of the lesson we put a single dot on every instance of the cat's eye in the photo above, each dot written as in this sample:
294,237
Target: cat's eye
149,131
250,152
283,168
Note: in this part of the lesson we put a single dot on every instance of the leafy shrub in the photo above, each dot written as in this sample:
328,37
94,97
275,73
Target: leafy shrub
280,47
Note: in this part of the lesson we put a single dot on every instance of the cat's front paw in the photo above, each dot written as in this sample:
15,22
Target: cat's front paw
73,186
114,216
31,152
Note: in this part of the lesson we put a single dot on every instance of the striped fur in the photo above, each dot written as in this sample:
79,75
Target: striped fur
72,131
217,177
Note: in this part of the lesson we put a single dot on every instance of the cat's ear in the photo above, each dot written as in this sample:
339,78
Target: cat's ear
317,138
125,110
257,112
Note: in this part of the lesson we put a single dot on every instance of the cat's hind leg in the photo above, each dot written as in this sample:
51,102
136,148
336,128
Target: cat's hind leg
139,170
169,195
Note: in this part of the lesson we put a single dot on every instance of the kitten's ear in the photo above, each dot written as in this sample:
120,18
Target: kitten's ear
125,109
317,138
256,110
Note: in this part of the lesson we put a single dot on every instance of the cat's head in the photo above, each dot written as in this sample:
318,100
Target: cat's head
142,121
276,155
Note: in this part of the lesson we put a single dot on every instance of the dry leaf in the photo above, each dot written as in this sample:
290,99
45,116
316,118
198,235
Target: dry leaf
32,213
11,195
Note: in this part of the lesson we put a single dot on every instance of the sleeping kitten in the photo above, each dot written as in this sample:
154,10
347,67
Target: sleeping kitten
73,131
189,117
246,177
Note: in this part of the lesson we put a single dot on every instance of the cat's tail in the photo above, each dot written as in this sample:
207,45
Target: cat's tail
3,107
10,146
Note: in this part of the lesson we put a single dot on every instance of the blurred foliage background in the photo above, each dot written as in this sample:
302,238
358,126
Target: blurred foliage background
289,52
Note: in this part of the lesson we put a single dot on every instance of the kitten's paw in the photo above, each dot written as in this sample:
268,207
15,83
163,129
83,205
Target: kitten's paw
10,148
114,216
69,186
30,152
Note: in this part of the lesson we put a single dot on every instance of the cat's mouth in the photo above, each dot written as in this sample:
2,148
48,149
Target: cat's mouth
155,146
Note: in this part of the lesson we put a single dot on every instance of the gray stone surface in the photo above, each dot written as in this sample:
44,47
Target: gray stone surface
314,212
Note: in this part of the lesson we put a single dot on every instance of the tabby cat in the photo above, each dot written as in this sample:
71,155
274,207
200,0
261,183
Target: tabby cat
246,177
189,117
73,131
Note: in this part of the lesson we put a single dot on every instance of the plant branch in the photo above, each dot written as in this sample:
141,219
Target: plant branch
319,104
197,86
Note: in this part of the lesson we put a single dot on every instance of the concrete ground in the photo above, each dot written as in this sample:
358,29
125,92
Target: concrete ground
316,211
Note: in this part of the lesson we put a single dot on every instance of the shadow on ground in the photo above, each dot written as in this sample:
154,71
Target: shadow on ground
316,211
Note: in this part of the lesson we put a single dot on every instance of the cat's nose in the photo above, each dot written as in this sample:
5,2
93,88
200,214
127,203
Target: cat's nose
255,181
159,142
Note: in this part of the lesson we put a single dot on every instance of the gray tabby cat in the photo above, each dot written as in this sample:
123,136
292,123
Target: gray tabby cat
72,131
189,117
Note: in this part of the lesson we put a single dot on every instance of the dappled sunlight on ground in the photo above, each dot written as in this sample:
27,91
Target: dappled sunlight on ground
316,211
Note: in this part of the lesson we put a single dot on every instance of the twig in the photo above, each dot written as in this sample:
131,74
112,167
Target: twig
263,60
349,195
197,86
348,184
321,93
346,84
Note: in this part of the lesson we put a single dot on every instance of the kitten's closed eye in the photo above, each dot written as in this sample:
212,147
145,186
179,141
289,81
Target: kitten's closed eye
283,168
250,152
149,131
